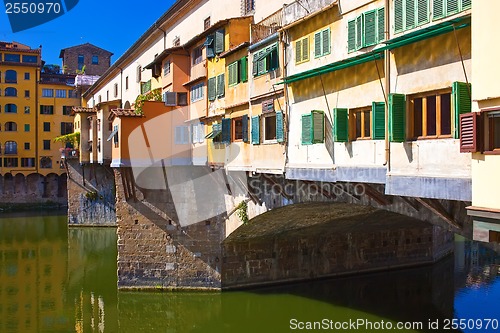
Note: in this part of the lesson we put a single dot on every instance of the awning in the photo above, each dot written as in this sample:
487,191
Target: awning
377,53
265,54
216,130
112,134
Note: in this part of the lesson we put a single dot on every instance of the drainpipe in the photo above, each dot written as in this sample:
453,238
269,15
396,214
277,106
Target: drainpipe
121,86
164,35
282,36
37,84
387,74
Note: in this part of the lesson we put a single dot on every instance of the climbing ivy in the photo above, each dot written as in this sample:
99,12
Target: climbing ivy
73,138
242,211
153,95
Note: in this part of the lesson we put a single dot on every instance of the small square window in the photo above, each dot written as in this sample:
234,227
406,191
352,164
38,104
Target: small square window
27,146
26,76
27,110
46,127
237,129
46,144
27,93
95,60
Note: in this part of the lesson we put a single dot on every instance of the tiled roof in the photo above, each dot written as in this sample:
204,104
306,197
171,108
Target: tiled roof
81,109
125,113
234,49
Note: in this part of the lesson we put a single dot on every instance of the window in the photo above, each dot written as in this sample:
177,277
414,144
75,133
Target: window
60,93
99,99
365,30
27,146
138,72
181,135
115,90
46,144
10,162
214,44
10,108
215,134
198,133
322,43
26,76
46,126
27,127
494,131
72,94
66,128
115,136
145,86
126,83
248,6
10,126
46,109
166,68
10,76
313,127
206,23
430,115
27,162
30,59
360,123
12,57
26,93
265,60
46,162
302,50
95,60
81,61
10,148
237,127
177,41
182,99
215,87
197,55
12,92
66,111
237,71
270,127
27,110
47,92
197,92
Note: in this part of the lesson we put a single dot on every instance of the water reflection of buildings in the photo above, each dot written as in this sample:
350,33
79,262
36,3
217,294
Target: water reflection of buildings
33,267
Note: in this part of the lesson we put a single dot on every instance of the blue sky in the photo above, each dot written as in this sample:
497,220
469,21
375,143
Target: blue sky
110,24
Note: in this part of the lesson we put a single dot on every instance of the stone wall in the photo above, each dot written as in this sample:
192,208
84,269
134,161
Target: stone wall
91,194
154,250
317,240
32,191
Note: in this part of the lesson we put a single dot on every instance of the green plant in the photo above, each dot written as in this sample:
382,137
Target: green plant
242,211
73,138
81,72
91,196
153,95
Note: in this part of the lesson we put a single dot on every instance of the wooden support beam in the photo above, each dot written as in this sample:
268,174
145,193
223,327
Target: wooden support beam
324,192
411,203
379,198
438,209
281,192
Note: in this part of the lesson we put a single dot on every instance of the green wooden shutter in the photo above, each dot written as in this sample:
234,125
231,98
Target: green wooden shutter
209,44
244,69
273,56
318,124
255,64
212,89
280,133
397,117
305,49
369,28
438,10
460,92
219,41
261,64
244,125
410,14
220,85
398,16
340,125
226,130
359,32
232,71
317,44
325,41
351,36
378,120
451,7
422,11
256,130
306,129
298,51
466,4
380,24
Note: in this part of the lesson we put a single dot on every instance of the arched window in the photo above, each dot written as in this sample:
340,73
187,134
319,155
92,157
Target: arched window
10,126
10,148
10,108
10,76
10,91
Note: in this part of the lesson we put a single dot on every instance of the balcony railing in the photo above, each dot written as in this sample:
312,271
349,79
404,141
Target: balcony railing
299,9
266,27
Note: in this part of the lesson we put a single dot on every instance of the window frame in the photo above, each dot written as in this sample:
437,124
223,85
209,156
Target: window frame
95,59
267,63
322,46
410,105
264,119
354,115
237,131
299,50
